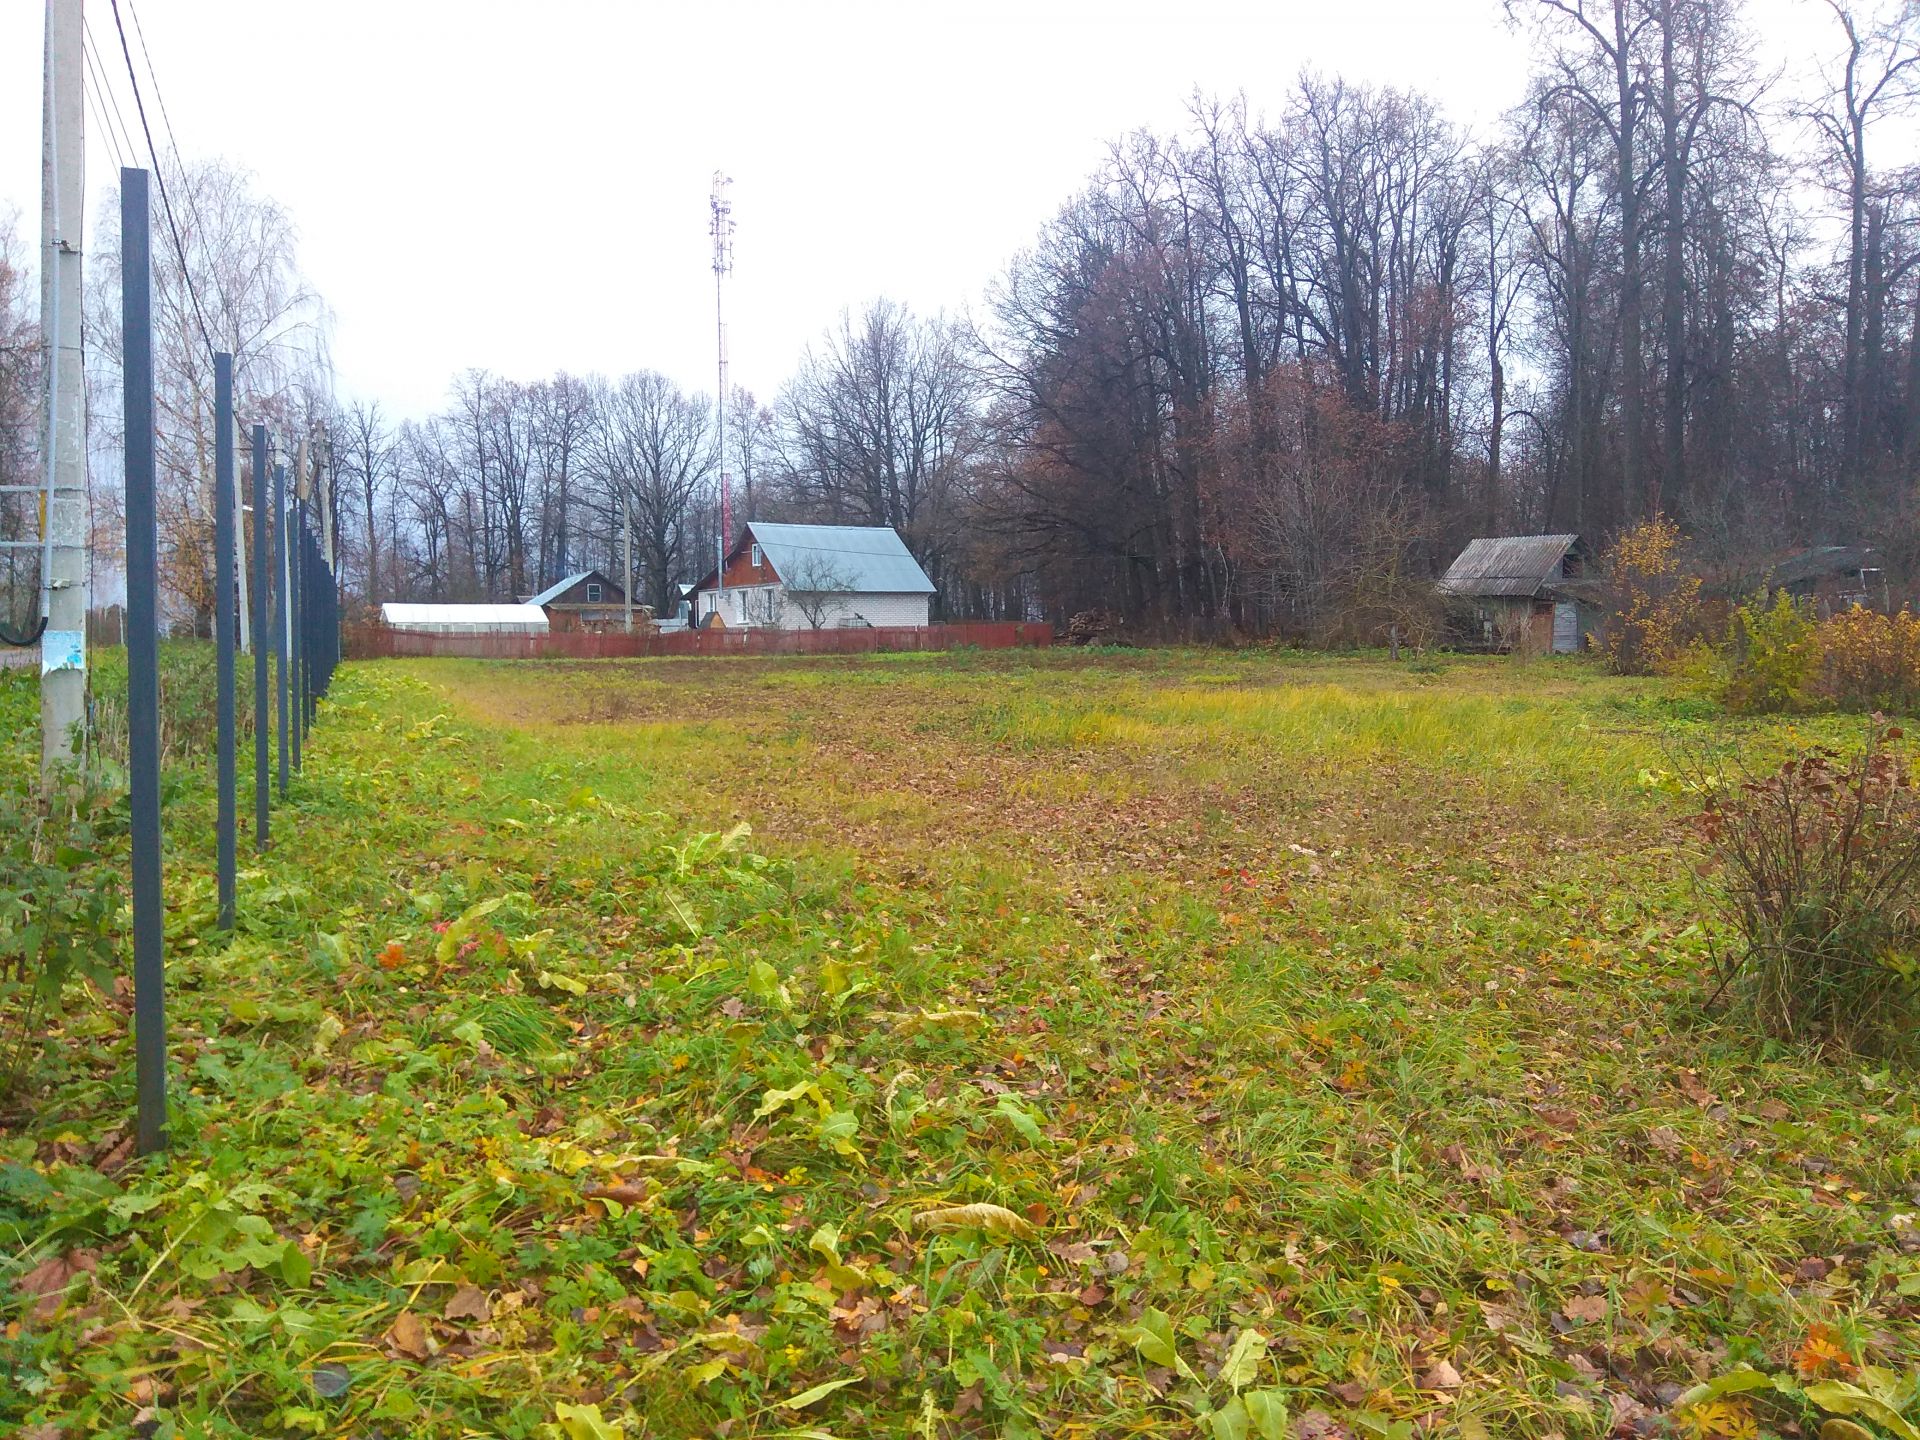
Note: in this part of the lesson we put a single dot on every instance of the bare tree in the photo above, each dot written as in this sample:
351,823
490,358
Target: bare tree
653,451
815,585
1879,76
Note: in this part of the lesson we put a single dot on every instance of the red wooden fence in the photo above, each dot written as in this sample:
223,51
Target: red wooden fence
373,642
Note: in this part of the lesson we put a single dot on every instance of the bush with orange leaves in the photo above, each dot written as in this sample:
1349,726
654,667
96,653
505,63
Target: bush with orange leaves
1654,604
1870,661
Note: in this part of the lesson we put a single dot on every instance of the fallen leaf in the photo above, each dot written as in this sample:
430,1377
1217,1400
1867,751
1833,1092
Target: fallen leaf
469,1302
50,1280
1586,1308
994,1219
1442,1376
409,1336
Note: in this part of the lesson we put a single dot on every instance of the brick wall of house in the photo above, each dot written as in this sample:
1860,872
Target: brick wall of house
769,606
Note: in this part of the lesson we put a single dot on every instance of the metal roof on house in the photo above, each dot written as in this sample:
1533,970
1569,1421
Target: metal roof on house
1515,565
861,559
557,589
505,619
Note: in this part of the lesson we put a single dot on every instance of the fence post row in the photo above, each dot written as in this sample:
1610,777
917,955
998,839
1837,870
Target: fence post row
306,630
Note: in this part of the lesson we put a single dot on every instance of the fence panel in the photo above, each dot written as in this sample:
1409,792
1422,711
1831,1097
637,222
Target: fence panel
374,642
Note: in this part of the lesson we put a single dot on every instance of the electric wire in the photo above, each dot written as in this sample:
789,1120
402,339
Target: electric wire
111,103
166,121
97,101
166,200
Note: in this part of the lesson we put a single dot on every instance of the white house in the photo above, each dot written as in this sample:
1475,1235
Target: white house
816,577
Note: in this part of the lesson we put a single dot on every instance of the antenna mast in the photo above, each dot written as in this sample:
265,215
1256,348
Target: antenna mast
720,226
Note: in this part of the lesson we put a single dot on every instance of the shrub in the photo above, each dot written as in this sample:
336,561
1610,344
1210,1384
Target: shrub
61,860
1817,872
1653,604
1774,657
1870,661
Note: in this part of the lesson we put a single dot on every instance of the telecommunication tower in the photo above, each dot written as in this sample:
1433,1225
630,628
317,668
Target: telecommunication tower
720,225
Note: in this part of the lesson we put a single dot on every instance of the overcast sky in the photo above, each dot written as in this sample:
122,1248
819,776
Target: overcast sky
523,186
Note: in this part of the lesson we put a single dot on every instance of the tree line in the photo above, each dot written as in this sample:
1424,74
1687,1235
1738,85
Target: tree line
1266,371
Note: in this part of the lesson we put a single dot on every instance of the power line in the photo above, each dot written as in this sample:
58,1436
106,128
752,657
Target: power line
98,105
166,201
166,120
101,70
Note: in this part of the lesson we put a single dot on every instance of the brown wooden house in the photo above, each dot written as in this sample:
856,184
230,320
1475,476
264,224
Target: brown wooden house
590,600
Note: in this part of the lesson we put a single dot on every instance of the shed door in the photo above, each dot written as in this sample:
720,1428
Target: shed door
1566,627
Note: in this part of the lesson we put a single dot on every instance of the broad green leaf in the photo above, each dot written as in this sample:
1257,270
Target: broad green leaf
585,1422
680,910
1268,1411
817,1393
1844,1399
1230,1421
763,983
708,1371
777,1099
1010,1110
838,1130
1242,1365
1734,1382
1153,1338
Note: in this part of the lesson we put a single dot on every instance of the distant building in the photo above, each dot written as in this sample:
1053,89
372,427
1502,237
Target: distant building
464,619
588,600
1832,578
815,577
1523,591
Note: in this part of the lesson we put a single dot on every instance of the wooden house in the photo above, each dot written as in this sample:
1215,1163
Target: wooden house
589,600
1832,578
1526,592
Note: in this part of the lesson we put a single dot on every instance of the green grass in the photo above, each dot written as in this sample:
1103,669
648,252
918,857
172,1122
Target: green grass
1316,1001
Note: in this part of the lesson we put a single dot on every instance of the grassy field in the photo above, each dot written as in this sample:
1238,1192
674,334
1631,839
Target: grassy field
629,1049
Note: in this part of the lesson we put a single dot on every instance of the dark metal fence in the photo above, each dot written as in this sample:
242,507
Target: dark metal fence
297,602
376,642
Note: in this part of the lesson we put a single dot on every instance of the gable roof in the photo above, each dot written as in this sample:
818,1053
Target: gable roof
863,559
1823,562
555,591
1516,565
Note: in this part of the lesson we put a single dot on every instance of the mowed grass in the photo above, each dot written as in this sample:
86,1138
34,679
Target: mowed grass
1329,1033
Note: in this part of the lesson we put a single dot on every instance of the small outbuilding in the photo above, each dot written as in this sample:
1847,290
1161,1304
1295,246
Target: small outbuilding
464,619
1832,578
1527,592
588,600
815,577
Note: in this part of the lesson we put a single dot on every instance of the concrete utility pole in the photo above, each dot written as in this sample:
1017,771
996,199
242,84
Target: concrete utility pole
626,587
63,647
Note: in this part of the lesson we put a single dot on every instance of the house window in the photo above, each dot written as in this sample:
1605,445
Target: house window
756,557
593,594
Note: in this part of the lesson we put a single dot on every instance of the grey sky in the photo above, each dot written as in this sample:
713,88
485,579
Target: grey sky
523,187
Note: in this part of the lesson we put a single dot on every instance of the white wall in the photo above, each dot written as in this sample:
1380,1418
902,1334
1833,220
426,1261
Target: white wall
754,606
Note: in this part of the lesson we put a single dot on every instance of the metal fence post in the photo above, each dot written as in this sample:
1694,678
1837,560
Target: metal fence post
262,614
226,622
297,603
283,614
143,661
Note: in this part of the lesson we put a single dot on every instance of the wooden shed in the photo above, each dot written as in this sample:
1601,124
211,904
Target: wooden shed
1526,592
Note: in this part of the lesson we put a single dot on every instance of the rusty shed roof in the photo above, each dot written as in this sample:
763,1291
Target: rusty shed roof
1516,565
